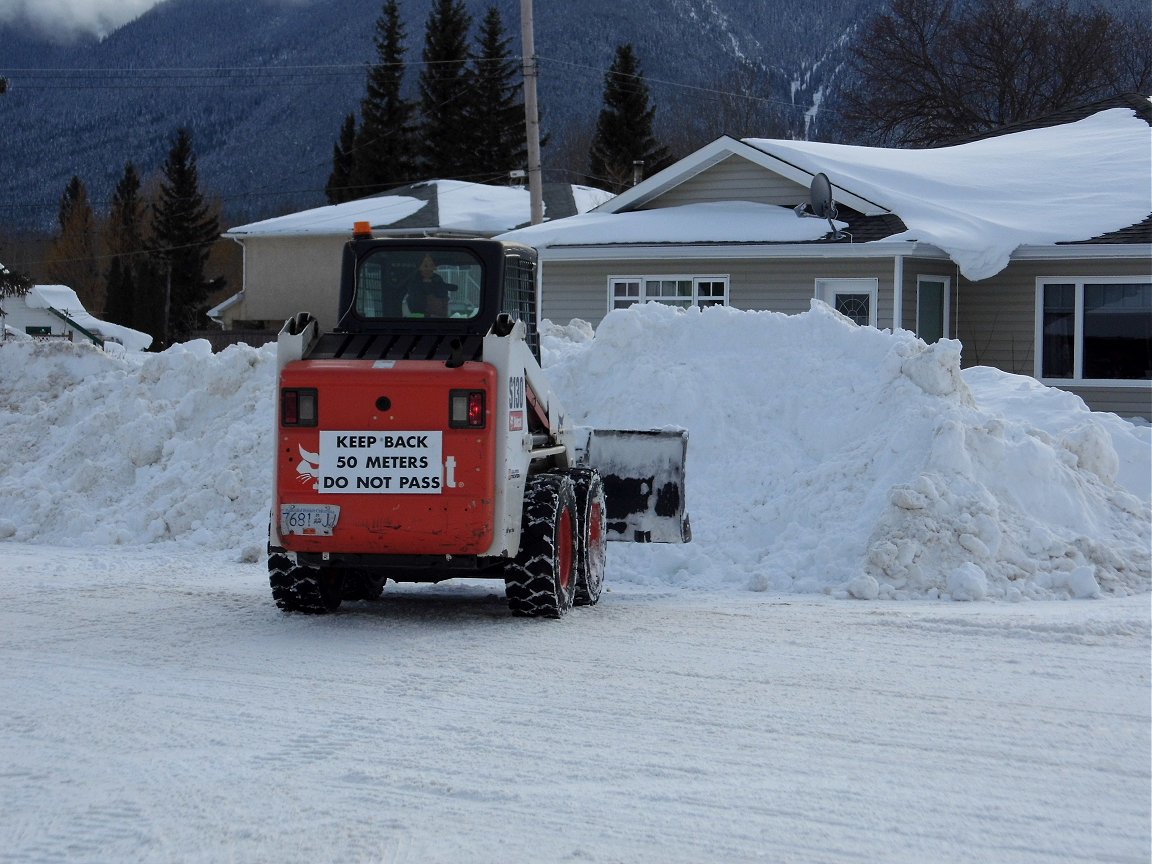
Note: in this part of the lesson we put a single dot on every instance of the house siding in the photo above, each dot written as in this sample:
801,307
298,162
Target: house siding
579,289
286,275
996,321
733,179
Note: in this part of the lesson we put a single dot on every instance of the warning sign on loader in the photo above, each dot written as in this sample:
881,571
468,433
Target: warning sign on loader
381,462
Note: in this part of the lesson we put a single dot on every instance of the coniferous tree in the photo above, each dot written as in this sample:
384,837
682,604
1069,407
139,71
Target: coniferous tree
624,127
445,89
339,187
128,272
384,153
72,255
13,283
494,115
183,231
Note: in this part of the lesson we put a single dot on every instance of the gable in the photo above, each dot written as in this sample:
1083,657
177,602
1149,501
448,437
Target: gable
733,179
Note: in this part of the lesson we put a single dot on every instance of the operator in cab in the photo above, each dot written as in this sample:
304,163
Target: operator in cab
427,292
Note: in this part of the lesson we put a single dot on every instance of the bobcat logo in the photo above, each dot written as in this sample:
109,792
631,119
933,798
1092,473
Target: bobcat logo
309,468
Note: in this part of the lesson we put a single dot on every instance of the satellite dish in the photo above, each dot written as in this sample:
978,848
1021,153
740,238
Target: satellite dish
820,197
821,206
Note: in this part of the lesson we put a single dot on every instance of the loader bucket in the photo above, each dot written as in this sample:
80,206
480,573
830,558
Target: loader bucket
643,474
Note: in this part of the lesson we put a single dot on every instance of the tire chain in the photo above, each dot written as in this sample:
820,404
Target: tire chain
588,488
295,588
531,583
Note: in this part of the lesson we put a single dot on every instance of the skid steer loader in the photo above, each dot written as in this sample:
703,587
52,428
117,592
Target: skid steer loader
420,441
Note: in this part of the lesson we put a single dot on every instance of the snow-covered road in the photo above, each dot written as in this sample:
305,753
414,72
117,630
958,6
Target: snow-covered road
155,706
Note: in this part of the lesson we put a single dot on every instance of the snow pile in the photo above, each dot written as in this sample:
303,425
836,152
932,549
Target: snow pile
824,457
135,449
829,457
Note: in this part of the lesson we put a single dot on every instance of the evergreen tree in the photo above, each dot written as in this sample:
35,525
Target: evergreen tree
624,128
445,89
183,231
128,272
72,255
13,283
384,153
494,114
339,187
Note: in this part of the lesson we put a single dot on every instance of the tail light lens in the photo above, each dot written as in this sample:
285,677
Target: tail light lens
298,407
466,409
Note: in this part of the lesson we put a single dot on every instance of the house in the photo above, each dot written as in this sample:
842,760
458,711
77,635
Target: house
292,263
1031,245
55,312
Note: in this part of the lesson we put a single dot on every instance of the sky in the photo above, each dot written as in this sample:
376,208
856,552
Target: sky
66,19
73,17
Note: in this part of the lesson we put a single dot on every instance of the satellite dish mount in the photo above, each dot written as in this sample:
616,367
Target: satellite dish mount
821,205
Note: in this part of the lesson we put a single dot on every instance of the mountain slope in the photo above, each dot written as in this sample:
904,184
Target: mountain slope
263,86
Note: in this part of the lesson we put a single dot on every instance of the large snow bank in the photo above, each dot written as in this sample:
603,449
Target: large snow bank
824,457
829,457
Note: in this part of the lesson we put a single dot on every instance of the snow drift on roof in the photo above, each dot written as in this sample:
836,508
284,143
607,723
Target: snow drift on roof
977,202
63,299
980,201
474,208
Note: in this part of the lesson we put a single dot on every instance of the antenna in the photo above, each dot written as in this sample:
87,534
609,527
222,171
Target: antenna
821,205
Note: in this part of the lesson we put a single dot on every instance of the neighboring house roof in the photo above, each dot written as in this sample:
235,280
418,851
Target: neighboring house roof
63,302
435,206
978,202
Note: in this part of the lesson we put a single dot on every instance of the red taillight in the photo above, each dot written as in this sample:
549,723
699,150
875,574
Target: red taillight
466,409
298,407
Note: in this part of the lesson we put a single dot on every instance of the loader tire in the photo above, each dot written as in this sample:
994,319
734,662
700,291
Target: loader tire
591,534
541,579
302,589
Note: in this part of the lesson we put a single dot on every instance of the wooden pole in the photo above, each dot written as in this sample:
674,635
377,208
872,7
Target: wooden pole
531,113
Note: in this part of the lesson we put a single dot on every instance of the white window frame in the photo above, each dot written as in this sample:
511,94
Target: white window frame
946,324
827,289
1077,378
644,279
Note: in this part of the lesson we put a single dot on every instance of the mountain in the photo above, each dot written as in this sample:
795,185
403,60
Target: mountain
264,84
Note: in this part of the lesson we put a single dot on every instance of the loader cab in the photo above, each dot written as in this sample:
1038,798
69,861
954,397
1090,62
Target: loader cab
436,292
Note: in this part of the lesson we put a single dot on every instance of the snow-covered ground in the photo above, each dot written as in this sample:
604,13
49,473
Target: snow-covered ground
798,684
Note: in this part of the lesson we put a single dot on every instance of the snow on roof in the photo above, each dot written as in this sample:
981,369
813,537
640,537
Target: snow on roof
466,207
980,201
977,202
63,299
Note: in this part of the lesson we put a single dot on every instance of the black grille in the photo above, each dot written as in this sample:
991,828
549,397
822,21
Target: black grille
396,346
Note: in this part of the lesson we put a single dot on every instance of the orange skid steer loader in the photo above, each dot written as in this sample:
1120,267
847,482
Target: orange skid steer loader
420,441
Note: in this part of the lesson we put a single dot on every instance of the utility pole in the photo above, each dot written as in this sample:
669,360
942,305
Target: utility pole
531,113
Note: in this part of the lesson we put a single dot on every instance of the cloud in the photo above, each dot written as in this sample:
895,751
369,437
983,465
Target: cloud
63,20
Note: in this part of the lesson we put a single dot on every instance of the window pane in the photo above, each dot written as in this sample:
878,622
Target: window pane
855,306
930,311
1118,331
1058,345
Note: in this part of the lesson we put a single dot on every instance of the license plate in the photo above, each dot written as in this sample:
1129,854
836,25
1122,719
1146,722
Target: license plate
311,520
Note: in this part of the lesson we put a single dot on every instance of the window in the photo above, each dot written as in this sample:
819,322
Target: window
414,283
1096,329
683,291
854,298
932,308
